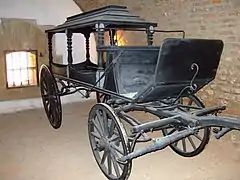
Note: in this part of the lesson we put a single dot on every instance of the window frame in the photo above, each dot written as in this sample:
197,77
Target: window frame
36,68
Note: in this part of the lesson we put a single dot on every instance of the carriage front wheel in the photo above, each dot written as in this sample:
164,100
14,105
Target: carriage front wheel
194,144
108,141
50,97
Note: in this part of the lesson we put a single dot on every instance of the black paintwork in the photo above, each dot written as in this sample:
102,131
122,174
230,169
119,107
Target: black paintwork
156,73
173,71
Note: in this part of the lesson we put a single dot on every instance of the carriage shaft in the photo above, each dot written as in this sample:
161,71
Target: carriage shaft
174,116
218,121
159,144
207,121
156,124
163,142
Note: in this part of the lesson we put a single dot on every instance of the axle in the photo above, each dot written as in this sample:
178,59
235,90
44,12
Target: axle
155,124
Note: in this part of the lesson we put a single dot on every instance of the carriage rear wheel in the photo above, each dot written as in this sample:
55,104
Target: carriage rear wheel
194,144
108,141
50,97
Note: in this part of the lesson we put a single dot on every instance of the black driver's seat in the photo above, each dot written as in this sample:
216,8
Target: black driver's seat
168,70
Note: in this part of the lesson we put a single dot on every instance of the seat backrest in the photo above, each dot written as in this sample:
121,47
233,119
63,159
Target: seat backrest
180,59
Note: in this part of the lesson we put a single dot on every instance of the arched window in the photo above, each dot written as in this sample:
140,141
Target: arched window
21,68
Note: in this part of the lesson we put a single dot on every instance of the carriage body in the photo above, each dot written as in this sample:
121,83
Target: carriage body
140,67
151,78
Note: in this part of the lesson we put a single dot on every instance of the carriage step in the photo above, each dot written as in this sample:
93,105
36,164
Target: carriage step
146,127
158,144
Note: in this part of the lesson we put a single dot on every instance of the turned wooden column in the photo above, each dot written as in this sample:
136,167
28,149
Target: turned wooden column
150,32
69,46
50,56
100,42
87,36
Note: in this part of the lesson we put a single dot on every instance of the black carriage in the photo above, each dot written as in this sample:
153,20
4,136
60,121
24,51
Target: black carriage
153,78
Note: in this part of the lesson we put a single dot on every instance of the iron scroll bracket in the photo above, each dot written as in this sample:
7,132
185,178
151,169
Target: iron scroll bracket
192,87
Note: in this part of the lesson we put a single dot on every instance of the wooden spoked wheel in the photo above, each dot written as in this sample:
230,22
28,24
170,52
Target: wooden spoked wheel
108,141
50,97
194,144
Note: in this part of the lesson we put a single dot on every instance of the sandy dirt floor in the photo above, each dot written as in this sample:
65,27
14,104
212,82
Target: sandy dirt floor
31,150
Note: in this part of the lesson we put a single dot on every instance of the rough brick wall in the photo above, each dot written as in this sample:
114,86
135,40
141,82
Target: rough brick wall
200,19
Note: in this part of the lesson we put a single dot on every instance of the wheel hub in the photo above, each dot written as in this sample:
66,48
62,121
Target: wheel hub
103,144
100,145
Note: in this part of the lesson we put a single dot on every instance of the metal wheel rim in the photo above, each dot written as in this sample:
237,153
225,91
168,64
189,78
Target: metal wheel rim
202,140
50,97
108,156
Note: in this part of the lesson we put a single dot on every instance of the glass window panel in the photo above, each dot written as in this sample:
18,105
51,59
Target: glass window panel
10,77
21,69
23,61
17,77
15,60
9,62
32,60
24,76
34,76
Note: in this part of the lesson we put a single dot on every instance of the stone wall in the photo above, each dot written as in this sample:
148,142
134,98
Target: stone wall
21,34
200,19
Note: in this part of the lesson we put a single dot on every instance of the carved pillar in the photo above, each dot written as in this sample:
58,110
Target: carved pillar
100,42
87,36
69,46
50,56
150,33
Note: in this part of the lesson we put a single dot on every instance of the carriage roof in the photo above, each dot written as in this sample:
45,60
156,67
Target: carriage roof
112,16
